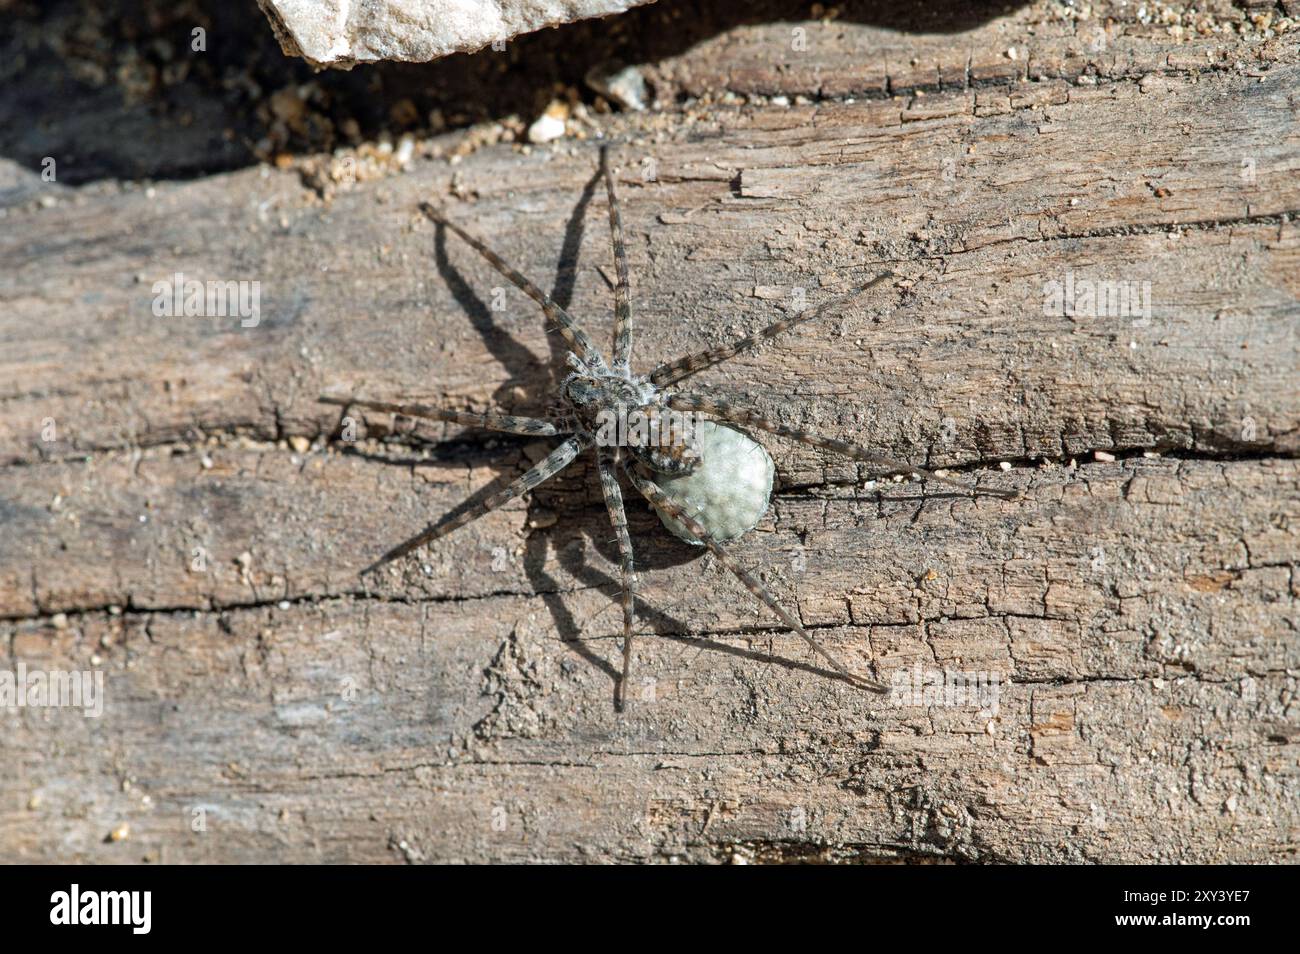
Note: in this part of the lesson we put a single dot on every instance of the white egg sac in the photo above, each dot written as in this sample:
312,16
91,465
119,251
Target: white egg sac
730,489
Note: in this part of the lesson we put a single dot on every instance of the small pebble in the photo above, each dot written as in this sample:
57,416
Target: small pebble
549,126
1103,457
625,86
405,150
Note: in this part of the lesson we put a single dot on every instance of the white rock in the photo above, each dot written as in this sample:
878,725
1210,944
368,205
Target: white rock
343,33
623,84
546,128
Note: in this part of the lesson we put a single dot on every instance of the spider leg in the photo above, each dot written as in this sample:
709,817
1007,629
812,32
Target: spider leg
622,290
674,371
558,317
662,502
492,421
718,407
618,517
545,469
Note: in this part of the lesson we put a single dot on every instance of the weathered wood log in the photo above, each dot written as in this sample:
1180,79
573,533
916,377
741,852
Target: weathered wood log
180,512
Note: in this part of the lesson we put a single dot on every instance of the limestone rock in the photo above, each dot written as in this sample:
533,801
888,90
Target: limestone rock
342,33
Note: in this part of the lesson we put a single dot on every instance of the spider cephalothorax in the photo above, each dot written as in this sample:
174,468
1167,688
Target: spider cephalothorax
716,488
615,409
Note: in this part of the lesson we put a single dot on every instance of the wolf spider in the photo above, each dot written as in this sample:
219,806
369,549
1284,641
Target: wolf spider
596,388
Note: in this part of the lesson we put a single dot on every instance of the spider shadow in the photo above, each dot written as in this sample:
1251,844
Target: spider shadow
508,351
662,622
558,494
504,346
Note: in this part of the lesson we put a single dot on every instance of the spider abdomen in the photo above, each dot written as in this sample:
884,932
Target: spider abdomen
728,491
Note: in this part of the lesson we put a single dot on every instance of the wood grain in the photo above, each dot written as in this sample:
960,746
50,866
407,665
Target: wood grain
1140,611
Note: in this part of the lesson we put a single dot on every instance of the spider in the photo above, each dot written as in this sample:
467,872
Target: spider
598,390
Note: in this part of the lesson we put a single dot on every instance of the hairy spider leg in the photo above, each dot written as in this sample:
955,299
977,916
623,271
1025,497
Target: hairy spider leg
623,288
491,421
545,469
559,318
728,411
662,502
618,518
674,371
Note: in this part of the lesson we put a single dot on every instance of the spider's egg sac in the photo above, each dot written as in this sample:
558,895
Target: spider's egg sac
730,489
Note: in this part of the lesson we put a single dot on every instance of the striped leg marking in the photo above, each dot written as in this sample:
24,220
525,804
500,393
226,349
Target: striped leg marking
623,288
724,409
547,468
559,318
492,421
618,518
675,371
